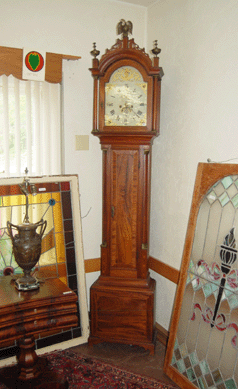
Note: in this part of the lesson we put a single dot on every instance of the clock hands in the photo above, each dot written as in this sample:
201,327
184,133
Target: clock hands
129,108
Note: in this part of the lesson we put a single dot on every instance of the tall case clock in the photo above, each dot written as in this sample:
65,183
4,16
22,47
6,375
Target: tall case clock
126,120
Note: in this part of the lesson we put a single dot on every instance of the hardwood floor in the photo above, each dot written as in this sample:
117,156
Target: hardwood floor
132,358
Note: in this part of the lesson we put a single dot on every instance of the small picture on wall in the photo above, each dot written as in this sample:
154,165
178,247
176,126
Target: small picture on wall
33,66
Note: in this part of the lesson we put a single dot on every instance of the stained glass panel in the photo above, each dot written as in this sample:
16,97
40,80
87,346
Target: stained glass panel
56,202
206,346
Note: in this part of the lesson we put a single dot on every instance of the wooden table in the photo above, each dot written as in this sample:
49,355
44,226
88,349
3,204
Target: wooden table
26,314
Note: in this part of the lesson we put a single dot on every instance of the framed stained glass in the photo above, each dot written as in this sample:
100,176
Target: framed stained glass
202,350
56,201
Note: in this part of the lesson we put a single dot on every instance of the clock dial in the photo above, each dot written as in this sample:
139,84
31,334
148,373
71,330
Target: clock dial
126,98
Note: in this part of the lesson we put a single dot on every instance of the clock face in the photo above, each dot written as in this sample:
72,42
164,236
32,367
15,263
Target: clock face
126,98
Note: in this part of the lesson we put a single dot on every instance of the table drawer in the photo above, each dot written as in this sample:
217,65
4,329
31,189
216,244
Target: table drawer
36,326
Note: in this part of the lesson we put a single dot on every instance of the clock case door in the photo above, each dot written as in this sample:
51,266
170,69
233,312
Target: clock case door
122,299
126,183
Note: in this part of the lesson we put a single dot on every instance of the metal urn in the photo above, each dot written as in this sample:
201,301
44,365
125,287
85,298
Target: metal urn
26,243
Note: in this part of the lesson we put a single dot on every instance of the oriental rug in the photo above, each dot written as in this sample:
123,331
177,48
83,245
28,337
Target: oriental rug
89,373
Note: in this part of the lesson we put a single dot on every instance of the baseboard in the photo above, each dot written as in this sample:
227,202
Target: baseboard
162,334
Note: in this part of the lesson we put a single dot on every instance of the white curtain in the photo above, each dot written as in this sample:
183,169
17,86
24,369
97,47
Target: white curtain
30,127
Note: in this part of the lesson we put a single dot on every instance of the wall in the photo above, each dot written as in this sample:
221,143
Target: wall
70,27
199,116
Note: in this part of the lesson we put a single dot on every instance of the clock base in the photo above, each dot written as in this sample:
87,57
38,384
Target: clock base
122,312
147,346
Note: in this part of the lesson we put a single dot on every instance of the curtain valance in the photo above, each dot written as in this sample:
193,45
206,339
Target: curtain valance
11,63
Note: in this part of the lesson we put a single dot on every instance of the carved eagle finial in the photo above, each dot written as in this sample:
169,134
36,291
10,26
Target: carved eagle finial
124,27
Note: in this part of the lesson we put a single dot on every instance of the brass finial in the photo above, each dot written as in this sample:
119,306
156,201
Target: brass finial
156,50
124,27
94,52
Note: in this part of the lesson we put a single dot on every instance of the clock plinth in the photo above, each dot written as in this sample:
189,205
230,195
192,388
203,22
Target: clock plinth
122,312
126,120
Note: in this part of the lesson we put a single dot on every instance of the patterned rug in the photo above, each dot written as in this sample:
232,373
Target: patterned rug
88,373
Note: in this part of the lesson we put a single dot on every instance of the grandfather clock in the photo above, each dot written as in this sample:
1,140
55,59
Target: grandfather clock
126,120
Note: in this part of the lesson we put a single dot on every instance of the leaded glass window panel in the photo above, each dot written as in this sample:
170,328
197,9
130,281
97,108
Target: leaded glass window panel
205,346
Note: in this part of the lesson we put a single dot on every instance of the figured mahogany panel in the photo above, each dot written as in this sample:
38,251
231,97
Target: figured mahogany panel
124,208
122,311
122,314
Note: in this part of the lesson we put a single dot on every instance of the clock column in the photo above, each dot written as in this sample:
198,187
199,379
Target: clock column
122,299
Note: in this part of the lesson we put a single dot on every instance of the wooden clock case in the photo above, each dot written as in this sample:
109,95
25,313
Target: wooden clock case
122,299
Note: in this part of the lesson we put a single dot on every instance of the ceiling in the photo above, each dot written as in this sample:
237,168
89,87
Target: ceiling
145,3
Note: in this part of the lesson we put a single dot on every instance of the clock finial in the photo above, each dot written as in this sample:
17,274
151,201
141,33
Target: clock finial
94,52
156,50
124,27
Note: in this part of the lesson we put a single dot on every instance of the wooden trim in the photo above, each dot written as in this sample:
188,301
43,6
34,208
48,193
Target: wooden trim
162,334
92,265
11,63
164,270
169,272
70,57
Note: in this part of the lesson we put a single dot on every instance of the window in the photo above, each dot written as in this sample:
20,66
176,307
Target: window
30,123
30,116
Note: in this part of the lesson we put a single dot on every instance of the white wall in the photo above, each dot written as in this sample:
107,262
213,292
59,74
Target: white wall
70,27
199,116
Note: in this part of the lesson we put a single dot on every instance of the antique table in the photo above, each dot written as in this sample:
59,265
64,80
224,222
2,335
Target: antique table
24,315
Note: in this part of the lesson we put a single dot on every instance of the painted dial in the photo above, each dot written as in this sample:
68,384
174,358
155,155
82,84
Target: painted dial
126,98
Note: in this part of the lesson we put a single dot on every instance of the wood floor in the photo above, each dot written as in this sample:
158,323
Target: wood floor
132,358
